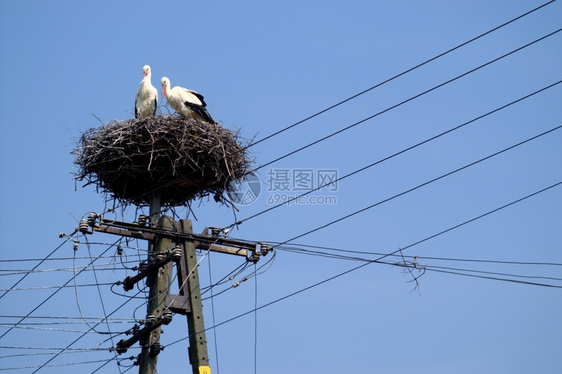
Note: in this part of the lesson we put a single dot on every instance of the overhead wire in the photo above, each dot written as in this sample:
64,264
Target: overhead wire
339,275
98,321
425,183
101,302
339,131
51,365
49,297
346,254
62,350
53,287
403,73
489,277
330,182
39,264
415,262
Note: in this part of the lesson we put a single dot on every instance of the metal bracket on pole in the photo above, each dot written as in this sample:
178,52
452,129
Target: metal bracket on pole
151,323
209,239
162,258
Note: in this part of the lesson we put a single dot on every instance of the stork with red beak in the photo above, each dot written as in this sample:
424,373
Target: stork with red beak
146,101
186,102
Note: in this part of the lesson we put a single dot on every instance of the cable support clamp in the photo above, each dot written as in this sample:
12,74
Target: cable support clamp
160,260
151,323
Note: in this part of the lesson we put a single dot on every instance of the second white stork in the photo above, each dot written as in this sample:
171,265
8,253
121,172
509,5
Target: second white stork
186,102
146,101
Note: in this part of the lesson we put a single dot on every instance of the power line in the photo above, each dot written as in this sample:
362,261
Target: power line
102,305
497,278
51,366
423,184
53,287
11,272
300,249
68,319
401,74
401,152
39,264
404,102
393,253
62,350
415,262
50,296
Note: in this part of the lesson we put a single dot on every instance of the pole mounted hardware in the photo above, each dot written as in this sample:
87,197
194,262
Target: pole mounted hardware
151,323
172,245
160,260
212,238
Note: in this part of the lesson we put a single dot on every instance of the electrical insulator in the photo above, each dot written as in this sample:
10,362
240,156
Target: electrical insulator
143,266
176,253
255,257
264,248
142,219
166,317
83,226
150,319
155,349
119,250
75,246
92,219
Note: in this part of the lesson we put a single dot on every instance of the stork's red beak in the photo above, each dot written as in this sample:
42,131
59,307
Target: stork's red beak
163,92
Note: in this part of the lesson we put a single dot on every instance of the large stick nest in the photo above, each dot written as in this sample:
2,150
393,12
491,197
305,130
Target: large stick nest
180,158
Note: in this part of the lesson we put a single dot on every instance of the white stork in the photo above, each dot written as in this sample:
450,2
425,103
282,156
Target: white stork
147,96
186,102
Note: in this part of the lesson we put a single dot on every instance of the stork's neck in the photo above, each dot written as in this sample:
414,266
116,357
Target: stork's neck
146,80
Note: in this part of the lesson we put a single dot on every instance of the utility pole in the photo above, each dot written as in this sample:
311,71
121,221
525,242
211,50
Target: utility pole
171,243
197,338
158,282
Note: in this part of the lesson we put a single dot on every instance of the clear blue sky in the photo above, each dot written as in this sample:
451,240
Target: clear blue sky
262,67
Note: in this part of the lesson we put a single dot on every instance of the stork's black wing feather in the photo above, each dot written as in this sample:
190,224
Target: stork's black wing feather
200,97
200,110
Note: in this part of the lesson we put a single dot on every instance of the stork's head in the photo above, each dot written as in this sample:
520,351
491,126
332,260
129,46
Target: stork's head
165,85
146,70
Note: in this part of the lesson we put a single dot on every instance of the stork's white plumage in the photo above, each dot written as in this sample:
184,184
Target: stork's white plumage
146,101
186,102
